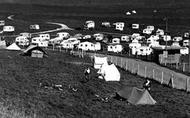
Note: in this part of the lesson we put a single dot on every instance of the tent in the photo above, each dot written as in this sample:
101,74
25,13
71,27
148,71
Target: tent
3,44
136,96
99,61
109,72
34,51
13,46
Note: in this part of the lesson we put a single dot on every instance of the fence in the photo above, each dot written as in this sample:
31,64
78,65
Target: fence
147,70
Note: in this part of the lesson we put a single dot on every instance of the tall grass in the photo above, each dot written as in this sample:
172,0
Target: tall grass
8,112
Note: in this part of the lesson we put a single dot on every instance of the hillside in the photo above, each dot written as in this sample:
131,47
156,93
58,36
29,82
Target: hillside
128,3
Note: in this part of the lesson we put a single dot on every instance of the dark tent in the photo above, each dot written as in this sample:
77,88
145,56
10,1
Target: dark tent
34,51
136,96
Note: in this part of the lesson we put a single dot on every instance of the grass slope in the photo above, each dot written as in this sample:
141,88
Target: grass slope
20,79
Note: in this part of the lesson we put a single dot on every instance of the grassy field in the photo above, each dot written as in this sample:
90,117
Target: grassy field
26,86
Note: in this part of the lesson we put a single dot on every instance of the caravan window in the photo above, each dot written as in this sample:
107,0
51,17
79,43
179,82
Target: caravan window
86,45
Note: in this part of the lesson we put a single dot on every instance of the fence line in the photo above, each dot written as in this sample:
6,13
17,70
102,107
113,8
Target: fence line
148,70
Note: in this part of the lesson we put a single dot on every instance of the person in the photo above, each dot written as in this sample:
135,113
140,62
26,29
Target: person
87,73
147,85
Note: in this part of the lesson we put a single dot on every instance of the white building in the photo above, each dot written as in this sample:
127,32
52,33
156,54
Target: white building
116,40
115,48
178,38
35,27
63,34
175,44
186,35
39,41
147,31
87,37
22,40
98,36
184,51
125,38
135,26
55,41
106,24
26,34
159,32
8,28
2,22
69,43
119,26
44,36
152,38
134,35
150,27
166,37
185,43
89,46
134,47
144,50
90,24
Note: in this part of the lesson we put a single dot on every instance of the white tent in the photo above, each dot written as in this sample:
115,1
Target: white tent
99,61
13,46
2,44
109,72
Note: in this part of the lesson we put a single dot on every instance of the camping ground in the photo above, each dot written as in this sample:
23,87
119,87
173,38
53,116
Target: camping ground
26,88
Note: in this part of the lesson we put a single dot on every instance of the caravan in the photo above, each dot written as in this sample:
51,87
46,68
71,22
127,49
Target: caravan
8,29
22,40
64,35
115,48
90,24
35,27
119,26
45,36
89,46
39,42
144,50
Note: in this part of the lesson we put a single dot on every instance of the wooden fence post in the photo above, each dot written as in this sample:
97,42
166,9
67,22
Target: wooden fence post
138,68
162,78
121,63
183,67
145,71
172,81
153,74
126,65
187,84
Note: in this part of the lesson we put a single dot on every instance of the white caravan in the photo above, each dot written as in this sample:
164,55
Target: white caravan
35,27
90,24
8,28
119,26
89,46
64,35
115,48
144,50
22,40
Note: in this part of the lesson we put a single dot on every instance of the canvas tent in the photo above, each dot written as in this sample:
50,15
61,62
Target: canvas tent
2,44
109,72
13,46
136,96
99,61
34,51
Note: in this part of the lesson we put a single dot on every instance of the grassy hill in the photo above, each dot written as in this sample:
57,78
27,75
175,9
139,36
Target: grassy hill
131,3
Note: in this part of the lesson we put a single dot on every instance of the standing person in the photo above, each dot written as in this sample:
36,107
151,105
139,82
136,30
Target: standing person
147,85
87,73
